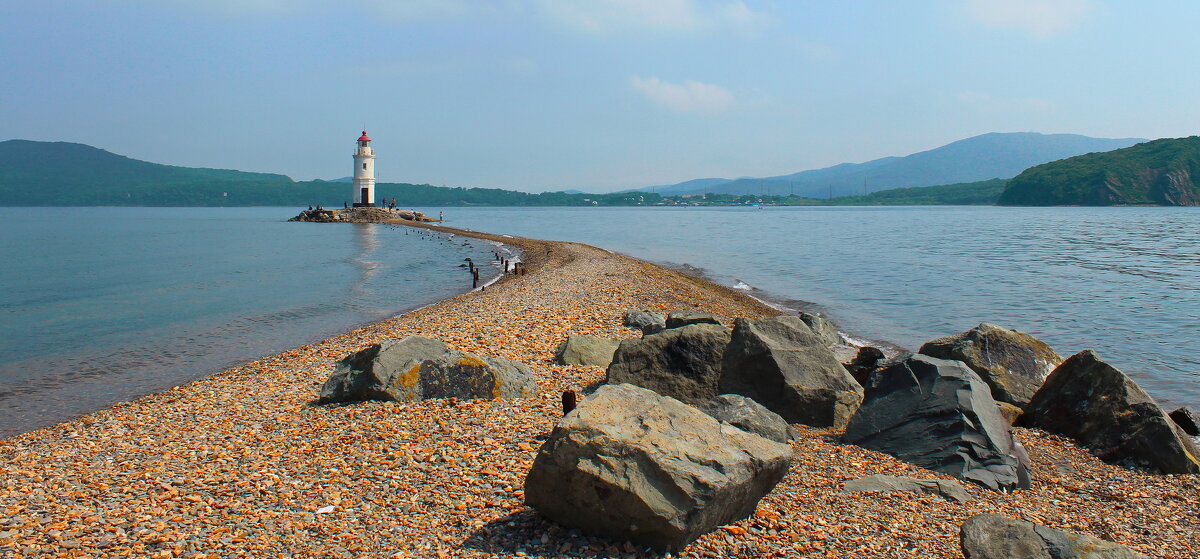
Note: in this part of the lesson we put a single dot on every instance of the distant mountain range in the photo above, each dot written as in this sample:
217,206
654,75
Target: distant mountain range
1163,172
980,158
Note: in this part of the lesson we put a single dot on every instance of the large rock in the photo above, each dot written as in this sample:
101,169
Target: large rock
749,416
939,415
679,319
822,327
781,364
991,536
864,362
950,490
1012,363
417,368
1103,409
683,363
647,322
631,464
579,349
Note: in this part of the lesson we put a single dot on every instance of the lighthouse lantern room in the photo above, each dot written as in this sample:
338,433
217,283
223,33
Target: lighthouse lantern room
364,173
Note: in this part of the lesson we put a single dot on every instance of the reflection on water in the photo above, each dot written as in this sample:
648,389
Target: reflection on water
154,297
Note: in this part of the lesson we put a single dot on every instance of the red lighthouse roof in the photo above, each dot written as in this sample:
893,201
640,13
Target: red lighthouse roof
364,137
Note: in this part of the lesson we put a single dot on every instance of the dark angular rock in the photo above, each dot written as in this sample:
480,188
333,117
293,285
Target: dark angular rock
1186,420
630,464
1012,363
418,368
864,363
950,490
647,322
1104,410
749,416
679,319
939,415
592,351
781,364
683,363
822,327
991,536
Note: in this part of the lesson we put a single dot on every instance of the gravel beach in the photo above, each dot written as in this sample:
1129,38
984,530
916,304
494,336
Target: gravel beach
244,464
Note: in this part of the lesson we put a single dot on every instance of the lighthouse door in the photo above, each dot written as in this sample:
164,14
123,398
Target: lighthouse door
363,197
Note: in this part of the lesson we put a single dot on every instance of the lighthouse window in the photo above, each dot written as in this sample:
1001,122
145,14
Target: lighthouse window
364,165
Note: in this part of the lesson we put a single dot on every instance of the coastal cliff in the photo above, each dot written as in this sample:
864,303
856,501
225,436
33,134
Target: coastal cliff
1157,173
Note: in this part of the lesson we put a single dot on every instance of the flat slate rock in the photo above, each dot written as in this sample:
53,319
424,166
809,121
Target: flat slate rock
939,415
991,536
950,490
645,321
579,349
749,416
780,363
418,368
630,464
1012,363
1104,410
683,363
679,319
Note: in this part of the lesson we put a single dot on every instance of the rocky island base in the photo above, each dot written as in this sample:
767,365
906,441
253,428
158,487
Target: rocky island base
247,464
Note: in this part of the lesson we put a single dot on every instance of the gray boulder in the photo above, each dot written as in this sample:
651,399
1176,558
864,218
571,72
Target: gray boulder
749,416
1104,410
647,322
417,368
991,536
633,465
1012,363
579,349
781,364
949,490
864,362
679,319
1186,420
822,327
939,415
683,363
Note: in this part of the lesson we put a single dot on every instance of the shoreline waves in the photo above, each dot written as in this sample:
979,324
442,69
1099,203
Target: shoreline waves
243,463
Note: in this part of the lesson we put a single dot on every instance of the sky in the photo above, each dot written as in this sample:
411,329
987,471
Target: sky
596,95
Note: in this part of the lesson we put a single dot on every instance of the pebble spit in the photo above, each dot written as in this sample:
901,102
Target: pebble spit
244,464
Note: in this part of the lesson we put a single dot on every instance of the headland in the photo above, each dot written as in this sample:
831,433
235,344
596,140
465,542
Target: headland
243,463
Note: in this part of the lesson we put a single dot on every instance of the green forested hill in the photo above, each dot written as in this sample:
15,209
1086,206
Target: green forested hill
1161,172
69,174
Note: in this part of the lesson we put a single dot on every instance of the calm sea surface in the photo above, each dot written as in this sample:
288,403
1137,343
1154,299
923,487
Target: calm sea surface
101,305
1122,281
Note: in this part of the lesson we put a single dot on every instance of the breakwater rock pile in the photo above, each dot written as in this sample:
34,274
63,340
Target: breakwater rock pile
359,215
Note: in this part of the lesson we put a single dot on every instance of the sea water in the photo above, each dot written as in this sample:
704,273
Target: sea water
101,305
1121,281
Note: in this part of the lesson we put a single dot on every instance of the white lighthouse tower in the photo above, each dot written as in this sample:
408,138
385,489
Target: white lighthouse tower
364,173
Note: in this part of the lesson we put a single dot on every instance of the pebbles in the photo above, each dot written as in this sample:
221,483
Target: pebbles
244,464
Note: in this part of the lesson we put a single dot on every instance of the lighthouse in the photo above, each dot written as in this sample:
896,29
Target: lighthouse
364,173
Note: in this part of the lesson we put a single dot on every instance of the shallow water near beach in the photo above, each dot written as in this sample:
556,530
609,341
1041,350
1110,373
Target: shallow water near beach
101,305
1121,281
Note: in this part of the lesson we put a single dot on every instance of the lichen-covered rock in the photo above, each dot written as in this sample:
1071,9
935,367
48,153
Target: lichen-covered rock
939,415
634,465
416,368
1104,410
991,536
779,363
592,351
749,416
1012,363
822,327
683,363
645,321
679,319
950,490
